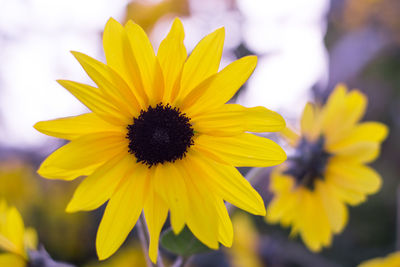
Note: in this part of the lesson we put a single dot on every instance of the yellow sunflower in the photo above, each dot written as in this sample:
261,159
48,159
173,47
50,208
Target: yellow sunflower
328,168
161,138
15,240
244,251
392,260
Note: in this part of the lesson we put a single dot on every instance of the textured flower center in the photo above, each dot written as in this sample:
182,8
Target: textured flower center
309,162
160,134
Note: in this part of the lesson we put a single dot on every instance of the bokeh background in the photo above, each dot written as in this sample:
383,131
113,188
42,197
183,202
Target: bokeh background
305,47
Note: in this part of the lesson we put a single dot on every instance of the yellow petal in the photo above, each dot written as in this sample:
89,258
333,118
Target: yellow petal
310,122
242,150
353,176
233,119
122,212
218,89
290,136
110,83
80,155
307,118
332,107
169,183
14,230
391,260
155,211
73,127
225,229
202,217
202,62
363,132
350,111
172,55
228,183
99,187
93,99
120,58
8,259
334,207
149,67
346,194
361,152
285,200
313,224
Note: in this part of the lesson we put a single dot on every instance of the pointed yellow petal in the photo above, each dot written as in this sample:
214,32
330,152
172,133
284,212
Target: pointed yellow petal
285,200
202,62
172,55
313,224
332,107
310,122
225,229
391,260
155,211
334,207
362,152
122,212
346,113
353,176
233,119
99,187
201,216
363,132
149,67
307,118
94,99
14,230
170,185
243,150
221,87
120,58
73,127
110,83
345,194
80,155
228,183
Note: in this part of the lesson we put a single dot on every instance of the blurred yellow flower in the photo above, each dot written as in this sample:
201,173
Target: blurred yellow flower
146,13
392,260
130,257
15,240
160,137
245,245
328,170
18,182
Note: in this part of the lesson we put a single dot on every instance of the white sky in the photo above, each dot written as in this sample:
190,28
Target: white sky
37,35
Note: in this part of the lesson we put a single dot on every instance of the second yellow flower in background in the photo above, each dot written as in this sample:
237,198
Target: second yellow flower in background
328,169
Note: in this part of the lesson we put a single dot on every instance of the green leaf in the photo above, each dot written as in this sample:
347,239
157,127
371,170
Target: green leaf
184,244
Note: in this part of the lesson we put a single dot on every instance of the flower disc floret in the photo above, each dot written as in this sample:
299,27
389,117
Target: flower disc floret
160,134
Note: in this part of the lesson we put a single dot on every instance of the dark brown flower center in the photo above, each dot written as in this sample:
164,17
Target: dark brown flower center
160,134
309,162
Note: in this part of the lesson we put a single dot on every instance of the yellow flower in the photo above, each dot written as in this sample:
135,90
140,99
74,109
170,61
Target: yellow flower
328,169
15,240
392,260
161,138
129,257
245,246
